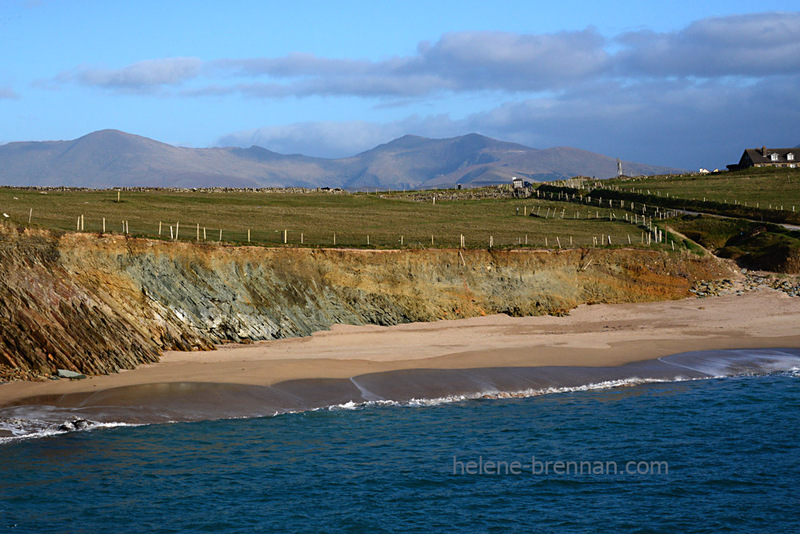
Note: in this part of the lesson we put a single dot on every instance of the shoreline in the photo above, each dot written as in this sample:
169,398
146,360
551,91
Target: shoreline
600,335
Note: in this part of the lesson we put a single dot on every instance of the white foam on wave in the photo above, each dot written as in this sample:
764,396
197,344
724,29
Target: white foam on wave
607,384
354,405
496,394
22,428
768,361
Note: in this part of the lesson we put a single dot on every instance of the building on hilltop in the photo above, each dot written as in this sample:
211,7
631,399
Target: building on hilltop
521,188
767,157
519,183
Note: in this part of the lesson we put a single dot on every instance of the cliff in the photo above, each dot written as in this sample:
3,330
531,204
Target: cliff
98,304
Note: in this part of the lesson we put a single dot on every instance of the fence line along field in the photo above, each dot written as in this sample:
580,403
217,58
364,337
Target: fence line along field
320,218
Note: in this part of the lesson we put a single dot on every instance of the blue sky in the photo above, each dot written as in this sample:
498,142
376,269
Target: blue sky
684,84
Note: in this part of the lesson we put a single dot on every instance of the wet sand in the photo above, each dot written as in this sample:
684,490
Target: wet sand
591,336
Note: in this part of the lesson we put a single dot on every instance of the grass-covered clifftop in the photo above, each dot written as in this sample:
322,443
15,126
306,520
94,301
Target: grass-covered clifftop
99,304
319,219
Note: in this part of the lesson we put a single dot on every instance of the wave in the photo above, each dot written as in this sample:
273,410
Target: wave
183,402
20,428
527,393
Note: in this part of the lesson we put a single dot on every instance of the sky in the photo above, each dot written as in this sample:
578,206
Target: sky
685,84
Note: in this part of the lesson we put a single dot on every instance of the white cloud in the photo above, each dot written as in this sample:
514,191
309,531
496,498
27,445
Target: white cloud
142,75
458,62
754,45
497,60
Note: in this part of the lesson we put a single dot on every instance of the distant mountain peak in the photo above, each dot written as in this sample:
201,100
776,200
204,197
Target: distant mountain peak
118,140
407,140
111,133
113,158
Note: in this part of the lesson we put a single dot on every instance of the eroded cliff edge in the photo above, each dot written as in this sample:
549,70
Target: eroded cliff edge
98,304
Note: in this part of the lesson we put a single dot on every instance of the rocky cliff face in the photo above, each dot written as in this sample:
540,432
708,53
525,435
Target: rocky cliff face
99,304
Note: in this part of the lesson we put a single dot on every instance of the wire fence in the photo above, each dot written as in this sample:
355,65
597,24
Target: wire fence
564,227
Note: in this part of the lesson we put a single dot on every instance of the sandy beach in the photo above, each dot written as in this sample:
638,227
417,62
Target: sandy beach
592,335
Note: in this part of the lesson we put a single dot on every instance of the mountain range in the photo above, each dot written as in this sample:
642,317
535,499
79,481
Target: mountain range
111,158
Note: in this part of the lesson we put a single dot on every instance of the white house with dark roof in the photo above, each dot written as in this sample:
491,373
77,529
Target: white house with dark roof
767,157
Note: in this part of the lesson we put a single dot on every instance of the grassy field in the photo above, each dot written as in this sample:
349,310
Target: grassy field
768,188
316,217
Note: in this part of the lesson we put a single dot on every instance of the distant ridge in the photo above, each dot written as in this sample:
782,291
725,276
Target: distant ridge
111,158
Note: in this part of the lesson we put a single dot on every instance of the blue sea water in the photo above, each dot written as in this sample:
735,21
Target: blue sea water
727,452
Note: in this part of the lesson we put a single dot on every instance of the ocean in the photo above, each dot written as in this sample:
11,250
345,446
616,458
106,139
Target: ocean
712,453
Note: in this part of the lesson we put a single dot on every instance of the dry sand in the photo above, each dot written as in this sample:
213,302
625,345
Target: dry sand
596,335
